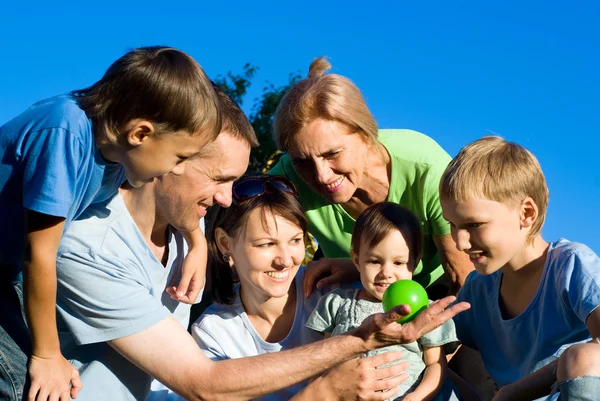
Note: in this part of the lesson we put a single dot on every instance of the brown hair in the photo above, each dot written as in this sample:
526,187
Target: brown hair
160,84
495,169
233,220
327,96
378,220
233,118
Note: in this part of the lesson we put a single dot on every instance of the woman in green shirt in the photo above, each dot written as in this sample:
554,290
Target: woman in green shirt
342,163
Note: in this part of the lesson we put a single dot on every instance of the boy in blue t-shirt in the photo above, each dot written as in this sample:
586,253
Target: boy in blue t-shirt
534,313
152,110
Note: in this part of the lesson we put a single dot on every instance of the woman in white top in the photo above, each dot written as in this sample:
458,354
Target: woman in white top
258,241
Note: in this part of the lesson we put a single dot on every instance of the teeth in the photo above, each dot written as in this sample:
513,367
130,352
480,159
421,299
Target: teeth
335,183
278,275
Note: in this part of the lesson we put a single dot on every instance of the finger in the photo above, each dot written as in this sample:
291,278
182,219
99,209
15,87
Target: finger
54,396
395,314
34,388
328,281
194,289
435,315
76,384
42,394
186,276
171,291
65,396
374,361
390,382
313,272
388,372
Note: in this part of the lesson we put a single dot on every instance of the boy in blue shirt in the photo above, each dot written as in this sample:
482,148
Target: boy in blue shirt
151,111
534,305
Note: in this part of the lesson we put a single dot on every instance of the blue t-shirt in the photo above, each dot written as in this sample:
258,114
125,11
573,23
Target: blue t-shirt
511,349
49,163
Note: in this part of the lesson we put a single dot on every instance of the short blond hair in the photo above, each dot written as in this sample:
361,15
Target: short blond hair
498,170
330,97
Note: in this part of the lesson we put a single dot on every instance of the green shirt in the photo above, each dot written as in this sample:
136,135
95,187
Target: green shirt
417,165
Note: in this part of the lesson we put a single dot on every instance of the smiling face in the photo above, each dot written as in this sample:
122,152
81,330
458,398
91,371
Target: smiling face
158,155
182,199
267,254
330,159
491,233
384,263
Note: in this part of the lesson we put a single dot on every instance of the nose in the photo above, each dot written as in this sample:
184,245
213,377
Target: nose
322,171
284,257
462,239
223,195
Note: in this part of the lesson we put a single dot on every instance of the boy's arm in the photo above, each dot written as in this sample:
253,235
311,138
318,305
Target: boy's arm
50,373
193,271
433,376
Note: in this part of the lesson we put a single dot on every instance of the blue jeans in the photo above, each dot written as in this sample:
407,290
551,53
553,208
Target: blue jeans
584,388
15,343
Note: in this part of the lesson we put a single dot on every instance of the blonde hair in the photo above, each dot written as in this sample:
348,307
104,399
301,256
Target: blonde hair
330,97
497,170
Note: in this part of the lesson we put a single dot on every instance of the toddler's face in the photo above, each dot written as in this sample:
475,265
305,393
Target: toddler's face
382,264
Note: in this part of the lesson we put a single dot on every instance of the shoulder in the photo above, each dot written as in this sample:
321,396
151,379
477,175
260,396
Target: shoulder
564,250
103,228
572,262
59,112
413,146
219,318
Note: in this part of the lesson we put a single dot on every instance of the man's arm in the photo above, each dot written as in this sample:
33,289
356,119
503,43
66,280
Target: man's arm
456,264
167,352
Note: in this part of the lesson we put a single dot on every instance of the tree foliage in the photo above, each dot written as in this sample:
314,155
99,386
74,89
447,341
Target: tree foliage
263,109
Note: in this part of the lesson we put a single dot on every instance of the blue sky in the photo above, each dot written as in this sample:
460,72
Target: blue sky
455,70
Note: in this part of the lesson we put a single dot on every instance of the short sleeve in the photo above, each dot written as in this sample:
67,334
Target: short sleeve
580,281
102,299
51,160
323,318
445,336
431,200
207,343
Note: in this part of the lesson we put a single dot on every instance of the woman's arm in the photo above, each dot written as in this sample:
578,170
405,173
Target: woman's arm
433,377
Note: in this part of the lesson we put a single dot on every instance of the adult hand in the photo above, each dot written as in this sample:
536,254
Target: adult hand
328,271
363,379
380,329
52,378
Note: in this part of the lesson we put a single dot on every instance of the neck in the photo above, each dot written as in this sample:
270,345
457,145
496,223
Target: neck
529,262
266,308
142,206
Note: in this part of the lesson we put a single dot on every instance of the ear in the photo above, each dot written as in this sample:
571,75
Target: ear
223,241
529,212
354,257
137,131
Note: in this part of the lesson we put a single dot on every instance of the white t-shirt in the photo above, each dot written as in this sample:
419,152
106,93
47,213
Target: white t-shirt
111,285
225,332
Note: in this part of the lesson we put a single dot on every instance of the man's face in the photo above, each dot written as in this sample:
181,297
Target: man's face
182,199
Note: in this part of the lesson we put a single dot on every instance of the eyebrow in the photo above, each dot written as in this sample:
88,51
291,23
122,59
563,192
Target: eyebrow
322,154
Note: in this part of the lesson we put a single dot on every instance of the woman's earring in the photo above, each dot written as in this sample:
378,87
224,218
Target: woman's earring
226,258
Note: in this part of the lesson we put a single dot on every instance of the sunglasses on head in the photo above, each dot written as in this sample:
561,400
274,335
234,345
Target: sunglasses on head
251,187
